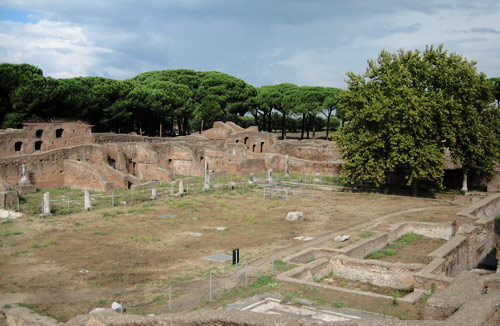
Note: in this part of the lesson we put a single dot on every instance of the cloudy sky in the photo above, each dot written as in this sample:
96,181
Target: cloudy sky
306,42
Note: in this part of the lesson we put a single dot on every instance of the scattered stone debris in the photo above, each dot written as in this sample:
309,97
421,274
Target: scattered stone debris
167,216
83,271
221,228
49,262
294,216
194,218
7,244
96,310
123,203
195,234
9,214
341,238
117,307
220,258
303,238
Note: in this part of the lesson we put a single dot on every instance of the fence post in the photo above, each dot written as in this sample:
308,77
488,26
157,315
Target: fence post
210,288
112,197
18,207
67,204
132,194
246,273
170,298
236,275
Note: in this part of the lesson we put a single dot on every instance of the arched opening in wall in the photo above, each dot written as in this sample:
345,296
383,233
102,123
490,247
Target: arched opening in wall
112,162
201,158
253,148
18,145
39,133
129,184
237,141
246,139
261,147
59,132
38,145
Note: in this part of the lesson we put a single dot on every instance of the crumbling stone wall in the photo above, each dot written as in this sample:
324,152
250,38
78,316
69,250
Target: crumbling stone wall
36,137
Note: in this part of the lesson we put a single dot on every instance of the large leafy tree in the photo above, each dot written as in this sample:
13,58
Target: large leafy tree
222,96
496,88
402,112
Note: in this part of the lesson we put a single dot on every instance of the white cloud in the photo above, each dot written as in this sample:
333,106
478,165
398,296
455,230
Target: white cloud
61,49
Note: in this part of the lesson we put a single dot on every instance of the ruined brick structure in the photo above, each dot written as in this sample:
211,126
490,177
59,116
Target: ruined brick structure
69,154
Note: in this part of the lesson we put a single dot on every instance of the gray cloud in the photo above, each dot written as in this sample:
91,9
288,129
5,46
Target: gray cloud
264,42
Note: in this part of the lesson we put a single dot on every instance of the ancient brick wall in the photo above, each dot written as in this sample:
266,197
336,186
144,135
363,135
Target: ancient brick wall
36,137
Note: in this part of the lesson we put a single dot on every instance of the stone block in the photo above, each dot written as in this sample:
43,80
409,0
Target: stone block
294,216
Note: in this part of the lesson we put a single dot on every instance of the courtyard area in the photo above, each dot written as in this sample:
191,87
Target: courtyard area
65,265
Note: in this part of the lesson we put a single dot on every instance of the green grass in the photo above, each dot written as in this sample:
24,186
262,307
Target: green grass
99,233
265,281
43,244
392,248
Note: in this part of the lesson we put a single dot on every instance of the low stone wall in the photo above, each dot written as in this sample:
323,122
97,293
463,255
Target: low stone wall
83,175
464,303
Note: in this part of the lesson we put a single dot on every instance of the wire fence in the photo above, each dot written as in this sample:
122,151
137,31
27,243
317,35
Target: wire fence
68,201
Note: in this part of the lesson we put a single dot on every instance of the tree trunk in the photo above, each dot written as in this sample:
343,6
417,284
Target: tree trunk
308,125
256,120
303,124
464,183
270,126
186,125
328,124
314,126
283,126
161,129
179,126
414,188
263,121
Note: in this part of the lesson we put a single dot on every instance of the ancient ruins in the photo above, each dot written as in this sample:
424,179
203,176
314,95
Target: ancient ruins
69,154
53,155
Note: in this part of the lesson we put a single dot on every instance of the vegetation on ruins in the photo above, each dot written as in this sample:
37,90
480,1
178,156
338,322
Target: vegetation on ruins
158,102
407,108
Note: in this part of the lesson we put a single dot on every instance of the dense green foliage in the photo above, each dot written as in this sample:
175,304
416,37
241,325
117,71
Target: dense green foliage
408,107
151,103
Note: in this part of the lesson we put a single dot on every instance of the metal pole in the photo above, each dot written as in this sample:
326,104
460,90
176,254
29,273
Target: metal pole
8,214
132,195
18,207
170,298
113,197
210,287
67,206
121,307
246,273
236,275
